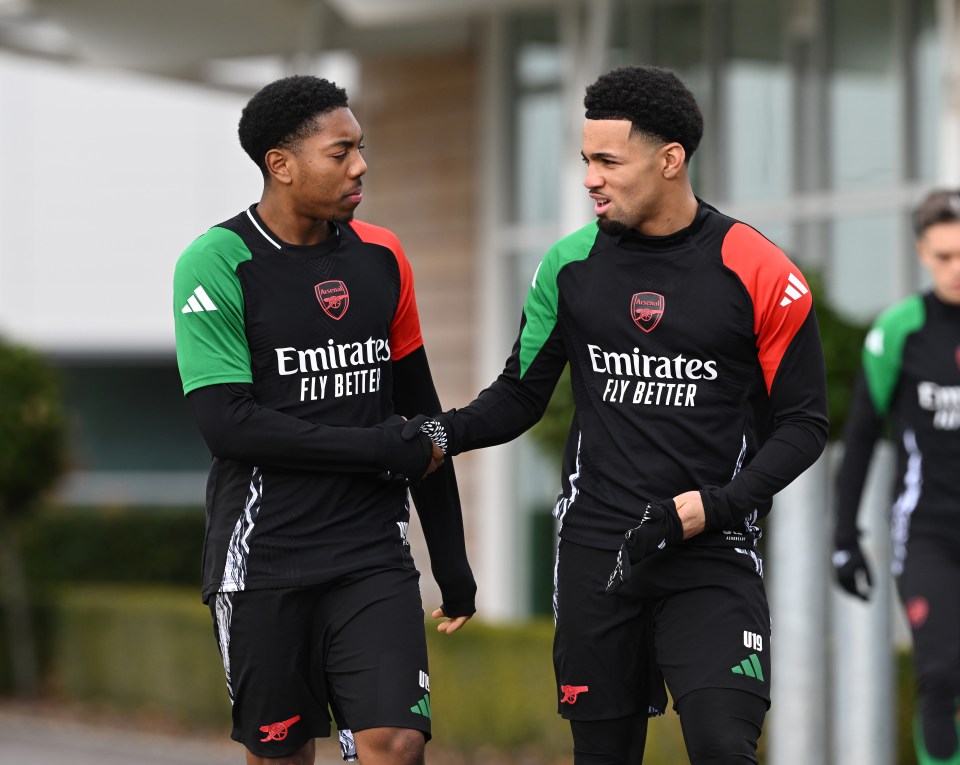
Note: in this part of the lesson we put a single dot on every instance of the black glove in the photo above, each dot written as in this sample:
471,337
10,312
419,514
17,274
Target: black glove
407,451
853,571
660,527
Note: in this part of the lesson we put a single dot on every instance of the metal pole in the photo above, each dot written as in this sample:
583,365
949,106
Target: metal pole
797,562
864,688
493,497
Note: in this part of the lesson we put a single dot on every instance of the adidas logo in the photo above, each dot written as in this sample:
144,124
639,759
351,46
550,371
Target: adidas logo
749,667
795,290
422,707
198,302
874,341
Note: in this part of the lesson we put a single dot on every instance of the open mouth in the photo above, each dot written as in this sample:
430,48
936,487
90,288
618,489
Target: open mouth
600,204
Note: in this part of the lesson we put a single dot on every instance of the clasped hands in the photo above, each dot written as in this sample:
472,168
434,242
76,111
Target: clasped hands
415,448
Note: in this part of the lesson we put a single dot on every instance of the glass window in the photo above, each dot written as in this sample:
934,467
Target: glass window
538,121
927,85
861,276
539,137
757,124
865,136
678,41
126,416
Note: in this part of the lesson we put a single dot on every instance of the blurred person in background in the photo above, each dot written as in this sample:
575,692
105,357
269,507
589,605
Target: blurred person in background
700,392
299,347
910,383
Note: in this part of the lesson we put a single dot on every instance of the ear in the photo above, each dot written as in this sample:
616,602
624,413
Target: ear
674,159
279,165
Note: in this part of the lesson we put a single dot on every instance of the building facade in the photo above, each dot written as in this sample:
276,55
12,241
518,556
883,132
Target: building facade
825,122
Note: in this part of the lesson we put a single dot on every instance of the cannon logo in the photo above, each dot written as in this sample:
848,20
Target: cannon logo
278,731
646,310
334,298
570,693
918,609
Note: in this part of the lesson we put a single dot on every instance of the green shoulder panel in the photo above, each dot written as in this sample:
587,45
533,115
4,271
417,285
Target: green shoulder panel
883,349
208,311
540,307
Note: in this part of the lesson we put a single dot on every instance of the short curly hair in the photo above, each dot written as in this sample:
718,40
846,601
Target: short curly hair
654,99
284,112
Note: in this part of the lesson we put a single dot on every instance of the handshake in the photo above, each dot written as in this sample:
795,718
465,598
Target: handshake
413,448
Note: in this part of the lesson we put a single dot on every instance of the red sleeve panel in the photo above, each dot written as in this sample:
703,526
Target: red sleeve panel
405,335
780,295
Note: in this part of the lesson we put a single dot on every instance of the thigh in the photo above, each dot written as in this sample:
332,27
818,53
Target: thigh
603,657
264,639
375,654
713,630
929,588
721,725
609,742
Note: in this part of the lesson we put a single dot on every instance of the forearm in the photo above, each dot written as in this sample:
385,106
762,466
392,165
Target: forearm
236,427
437,499
859,439
499,414
438,505
791,449
795,413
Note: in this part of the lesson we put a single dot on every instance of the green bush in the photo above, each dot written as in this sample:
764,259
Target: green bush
492,687
32,429
151,652
143,650
842,343
160,546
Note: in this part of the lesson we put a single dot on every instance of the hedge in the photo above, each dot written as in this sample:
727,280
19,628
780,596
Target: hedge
149,651
156,546
116,639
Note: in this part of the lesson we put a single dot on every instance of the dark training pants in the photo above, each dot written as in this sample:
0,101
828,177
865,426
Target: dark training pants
929,588
721,726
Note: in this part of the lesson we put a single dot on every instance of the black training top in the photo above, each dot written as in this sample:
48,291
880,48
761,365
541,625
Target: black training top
910,378
695,361
289,354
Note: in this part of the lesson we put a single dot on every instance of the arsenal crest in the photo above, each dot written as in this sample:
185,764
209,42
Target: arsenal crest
334,298
646,308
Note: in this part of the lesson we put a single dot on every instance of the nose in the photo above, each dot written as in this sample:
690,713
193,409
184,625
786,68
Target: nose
359,167
591,179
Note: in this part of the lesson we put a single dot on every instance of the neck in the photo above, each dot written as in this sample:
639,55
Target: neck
676,212
292,227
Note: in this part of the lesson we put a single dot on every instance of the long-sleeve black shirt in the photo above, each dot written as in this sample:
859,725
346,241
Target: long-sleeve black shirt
292,357
696,364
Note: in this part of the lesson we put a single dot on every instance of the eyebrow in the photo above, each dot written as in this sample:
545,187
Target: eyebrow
601,155
346,143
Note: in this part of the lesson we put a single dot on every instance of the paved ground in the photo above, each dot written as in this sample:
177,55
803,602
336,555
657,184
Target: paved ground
30,737
52,734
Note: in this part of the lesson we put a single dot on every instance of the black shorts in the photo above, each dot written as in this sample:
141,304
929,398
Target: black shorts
694,616
355,646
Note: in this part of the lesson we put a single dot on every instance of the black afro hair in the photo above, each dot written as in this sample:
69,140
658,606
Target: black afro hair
283,112
653,99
